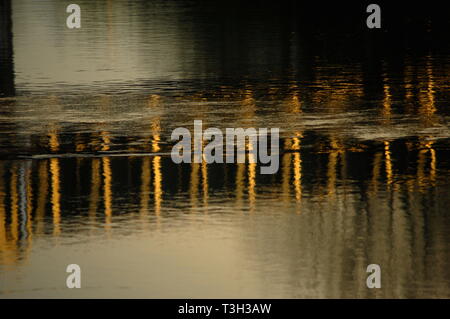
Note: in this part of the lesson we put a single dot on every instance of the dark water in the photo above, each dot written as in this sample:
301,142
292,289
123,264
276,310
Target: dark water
86,175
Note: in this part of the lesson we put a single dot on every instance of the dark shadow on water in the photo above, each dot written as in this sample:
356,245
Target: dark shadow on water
6,50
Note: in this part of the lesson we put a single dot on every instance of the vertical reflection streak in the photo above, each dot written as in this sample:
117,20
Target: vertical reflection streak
251,179
106,140
286,172
157,184
431,108
432,164
388,164
387,104
56,209
408,83
205,183
297,170
295,103
156,138
53,141
107,192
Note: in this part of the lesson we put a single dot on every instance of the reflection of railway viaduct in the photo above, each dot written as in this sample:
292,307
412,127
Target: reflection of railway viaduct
6,50
36,197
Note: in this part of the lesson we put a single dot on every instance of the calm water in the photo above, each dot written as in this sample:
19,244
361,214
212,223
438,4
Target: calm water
86,175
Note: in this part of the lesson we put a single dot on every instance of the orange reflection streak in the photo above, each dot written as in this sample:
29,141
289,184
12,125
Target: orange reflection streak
297,168
107,192
387,104
154,100
430,107
432,163
193,189
427,106
156,129
157,184
251,178
286,171
205,183
294,103
426,147
42,195
56,209
106,140
408,82
53,141
388,163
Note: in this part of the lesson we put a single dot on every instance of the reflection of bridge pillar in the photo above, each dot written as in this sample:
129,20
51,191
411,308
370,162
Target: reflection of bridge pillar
24,168
6,50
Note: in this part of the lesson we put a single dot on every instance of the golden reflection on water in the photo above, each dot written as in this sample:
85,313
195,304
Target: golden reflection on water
387,104
205,184
432,163
297,170
251,177
157,184
388,163
94,189
428,107
107,191
379,212
286,172
55,184
246,190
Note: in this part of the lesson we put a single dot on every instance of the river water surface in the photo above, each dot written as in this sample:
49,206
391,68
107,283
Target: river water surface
86,175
